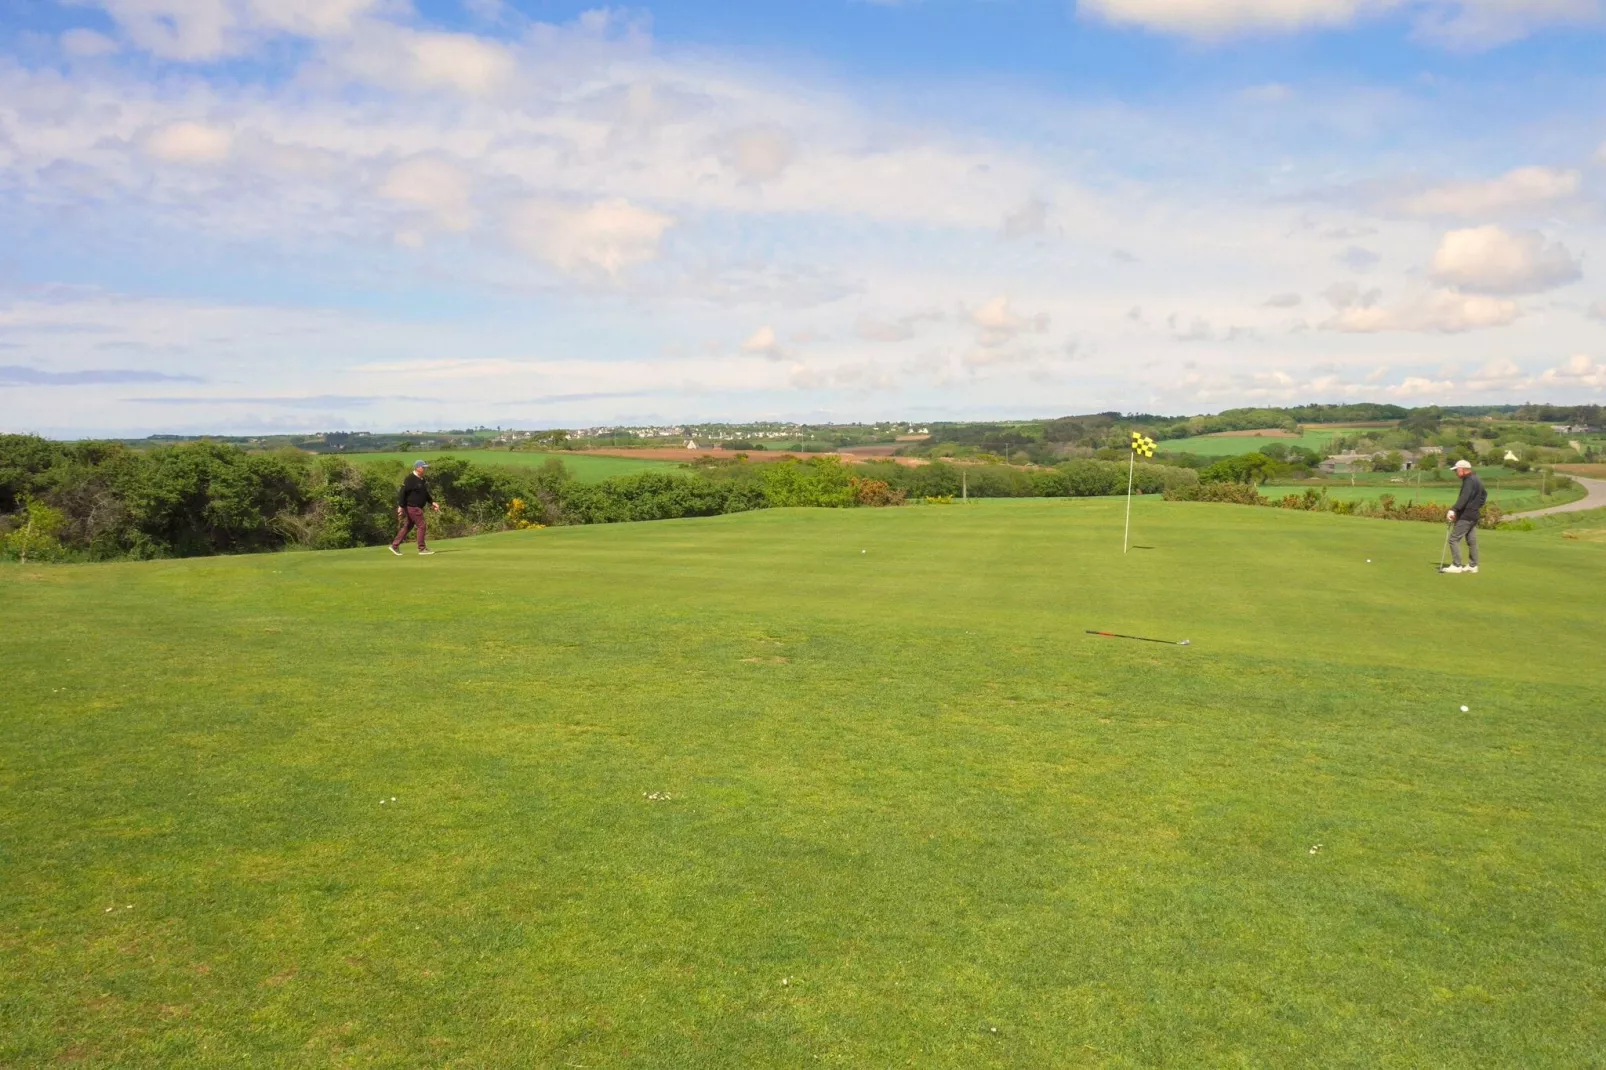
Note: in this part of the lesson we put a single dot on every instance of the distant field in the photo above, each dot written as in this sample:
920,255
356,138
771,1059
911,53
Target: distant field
1224,446
1262,432
586,467
1593,471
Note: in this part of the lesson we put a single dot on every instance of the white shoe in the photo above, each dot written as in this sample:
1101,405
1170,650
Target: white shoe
395,551
1452,568
1470,568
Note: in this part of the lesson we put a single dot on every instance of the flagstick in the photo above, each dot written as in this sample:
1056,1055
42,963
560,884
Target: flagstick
1131,463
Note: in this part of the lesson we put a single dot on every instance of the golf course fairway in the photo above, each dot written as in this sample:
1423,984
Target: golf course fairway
814,787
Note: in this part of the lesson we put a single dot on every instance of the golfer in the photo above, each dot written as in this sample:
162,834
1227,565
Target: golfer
410,502
1463,516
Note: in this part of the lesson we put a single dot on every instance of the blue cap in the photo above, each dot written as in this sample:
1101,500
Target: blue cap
420,464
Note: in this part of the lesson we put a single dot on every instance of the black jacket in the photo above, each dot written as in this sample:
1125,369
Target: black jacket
414,493
1472,499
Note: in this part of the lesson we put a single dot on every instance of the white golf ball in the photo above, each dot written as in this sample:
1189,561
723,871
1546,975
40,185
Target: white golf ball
1463,709
864,551
1368,560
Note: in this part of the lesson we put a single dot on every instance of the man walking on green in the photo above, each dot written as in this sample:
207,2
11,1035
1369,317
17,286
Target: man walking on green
1464,516
410,502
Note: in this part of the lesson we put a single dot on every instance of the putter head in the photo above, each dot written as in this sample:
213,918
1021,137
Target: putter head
1185,642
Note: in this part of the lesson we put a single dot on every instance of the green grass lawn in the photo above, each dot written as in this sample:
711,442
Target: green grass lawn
585,467
1233,446
1509,498
792,788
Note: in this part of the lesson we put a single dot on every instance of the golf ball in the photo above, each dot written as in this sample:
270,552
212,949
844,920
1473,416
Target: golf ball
1368,560
1463,709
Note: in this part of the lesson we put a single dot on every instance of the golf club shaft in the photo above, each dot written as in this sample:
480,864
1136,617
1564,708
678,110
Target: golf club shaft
1139,638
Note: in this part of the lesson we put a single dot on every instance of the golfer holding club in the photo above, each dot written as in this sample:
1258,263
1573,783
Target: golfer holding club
410,502
1463,517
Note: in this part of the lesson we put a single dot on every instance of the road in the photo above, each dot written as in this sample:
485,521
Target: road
1596,499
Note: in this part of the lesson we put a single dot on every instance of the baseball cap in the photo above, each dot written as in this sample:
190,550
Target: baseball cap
1463,464
420,464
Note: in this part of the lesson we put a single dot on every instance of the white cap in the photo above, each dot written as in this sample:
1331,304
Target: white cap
1463,464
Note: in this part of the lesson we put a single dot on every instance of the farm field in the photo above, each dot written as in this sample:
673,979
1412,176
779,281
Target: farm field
1235,444
584,465
808,787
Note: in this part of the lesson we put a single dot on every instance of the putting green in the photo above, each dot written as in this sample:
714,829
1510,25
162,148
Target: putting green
796,787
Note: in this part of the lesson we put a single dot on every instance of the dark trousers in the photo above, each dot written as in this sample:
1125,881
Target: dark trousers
412,518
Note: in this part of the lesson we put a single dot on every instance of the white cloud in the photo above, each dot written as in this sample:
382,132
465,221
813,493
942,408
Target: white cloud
87,43
1284,300
1524,188
1498,376
189,142
764,343
1221,18
1597,311
998,321
398,57
1497,261
607,236
434,186
205,30
761,153
1029,218
1467,24
1581,370
1416,386
1440,311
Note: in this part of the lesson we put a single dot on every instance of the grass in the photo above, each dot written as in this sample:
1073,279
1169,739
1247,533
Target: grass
908,813
1508,498
583,466
1233,446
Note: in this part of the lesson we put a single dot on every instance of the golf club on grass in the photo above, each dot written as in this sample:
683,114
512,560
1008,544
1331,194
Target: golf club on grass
1139,638
1447,529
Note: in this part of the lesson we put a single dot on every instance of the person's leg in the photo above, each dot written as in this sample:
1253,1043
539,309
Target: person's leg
401,531
1457,533
1472,544
417,516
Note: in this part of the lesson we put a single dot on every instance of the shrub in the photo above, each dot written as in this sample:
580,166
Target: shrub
1236,493
35,534
875,493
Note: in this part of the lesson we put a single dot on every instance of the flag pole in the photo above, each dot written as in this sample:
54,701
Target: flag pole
1131,464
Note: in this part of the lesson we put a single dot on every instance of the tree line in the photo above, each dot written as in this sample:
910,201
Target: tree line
106,501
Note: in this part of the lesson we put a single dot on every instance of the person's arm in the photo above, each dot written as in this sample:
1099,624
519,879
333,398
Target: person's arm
429,497
1463,498
401,496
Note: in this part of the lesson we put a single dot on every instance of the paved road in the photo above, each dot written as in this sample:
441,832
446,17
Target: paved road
1595,500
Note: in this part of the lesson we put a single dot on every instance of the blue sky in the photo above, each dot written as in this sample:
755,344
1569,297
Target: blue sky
249,215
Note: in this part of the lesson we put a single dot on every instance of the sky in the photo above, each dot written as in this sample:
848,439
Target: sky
247,216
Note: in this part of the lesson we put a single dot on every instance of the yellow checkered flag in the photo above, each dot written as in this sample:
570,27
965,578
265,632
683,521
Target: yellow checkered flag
1142,445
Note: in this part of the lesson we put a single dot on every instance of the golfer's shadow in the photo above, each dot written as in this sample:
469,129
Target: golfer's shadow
1135,546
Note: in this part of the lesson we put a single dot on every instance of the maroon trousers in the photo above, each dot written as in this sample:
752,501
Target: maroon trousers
412,518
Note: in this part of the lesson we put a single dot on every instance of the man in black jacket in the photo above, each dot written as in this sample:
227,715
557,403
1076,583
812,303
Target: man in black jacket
410,502
1464,515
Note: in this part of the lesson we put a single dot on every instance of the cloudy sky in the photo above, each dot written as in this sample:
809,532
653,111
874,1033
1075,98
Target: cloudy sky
245,215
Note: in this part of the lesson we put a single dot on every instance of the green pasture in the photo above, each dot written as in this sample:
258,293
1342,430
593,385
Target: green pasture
796,788
586,467
1234,445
